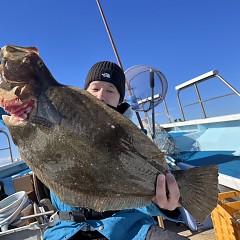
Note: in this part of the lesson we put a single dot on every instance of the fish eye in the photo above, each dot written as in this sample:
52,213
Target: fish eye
26,60
40,63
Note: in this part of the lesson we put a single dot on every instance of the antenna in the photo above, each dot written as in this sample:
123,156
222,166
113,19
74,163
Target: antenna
117,57
152,101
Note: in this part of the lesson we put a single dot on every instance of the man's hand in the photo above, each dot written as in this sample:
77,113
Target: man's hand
167,192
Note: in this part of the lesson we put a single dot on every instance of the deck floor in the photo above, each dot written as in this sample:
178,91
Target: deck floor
184,231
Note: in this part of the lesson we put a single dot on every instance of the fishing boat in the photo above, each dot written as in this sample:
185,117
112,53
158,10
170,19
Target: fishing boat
210,140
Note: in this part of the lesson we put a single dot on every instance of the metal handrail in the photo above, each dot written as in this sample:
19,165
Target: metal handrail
9,145
194,82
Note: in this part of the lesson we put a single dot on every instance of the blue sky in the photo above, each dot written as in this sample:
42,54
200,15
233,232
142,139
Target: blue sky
181,38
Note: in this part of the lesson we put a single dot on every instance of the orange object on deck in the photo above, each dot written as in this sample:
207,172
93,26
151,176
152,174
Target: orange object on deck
226,216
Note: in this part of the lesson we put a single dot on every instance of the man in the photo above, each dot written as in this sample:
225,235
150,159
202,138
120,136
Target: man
106,81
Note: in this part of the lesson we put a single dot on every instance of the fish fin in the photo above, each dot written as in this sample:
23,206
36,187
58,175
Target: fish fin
73,197
42,121
49,115
199,190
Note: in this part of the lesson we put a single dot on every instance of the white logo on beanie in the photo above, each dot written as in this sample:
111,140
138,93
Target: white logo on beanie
106,75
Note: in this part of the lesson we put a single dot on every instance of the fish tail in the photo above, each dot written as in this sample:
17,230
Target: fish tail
199,190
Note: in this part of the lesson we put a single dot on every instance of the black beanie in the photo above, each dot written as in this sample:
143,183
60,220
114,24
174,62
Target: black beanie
107,72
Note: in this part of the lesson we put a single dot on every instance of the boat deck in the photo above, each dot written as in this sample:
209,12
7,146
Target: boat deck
184,231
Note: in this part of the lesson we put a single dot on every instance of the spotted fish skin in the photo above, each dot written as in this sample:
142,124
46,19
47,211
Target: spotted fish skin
88,154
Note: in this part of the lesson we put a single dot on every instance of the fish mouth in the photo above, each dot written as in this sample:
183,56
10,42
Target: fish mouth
19,101
19,110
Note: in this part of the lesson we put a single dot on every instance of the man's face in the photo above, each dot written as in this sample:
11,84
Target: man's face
104,91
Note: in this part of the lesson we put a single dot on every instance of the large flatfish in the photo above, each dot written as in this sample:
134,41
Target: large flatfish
88,154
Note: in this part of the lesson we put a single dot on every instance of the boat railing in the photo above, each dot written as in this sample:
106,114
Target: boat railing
194,82
9,145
